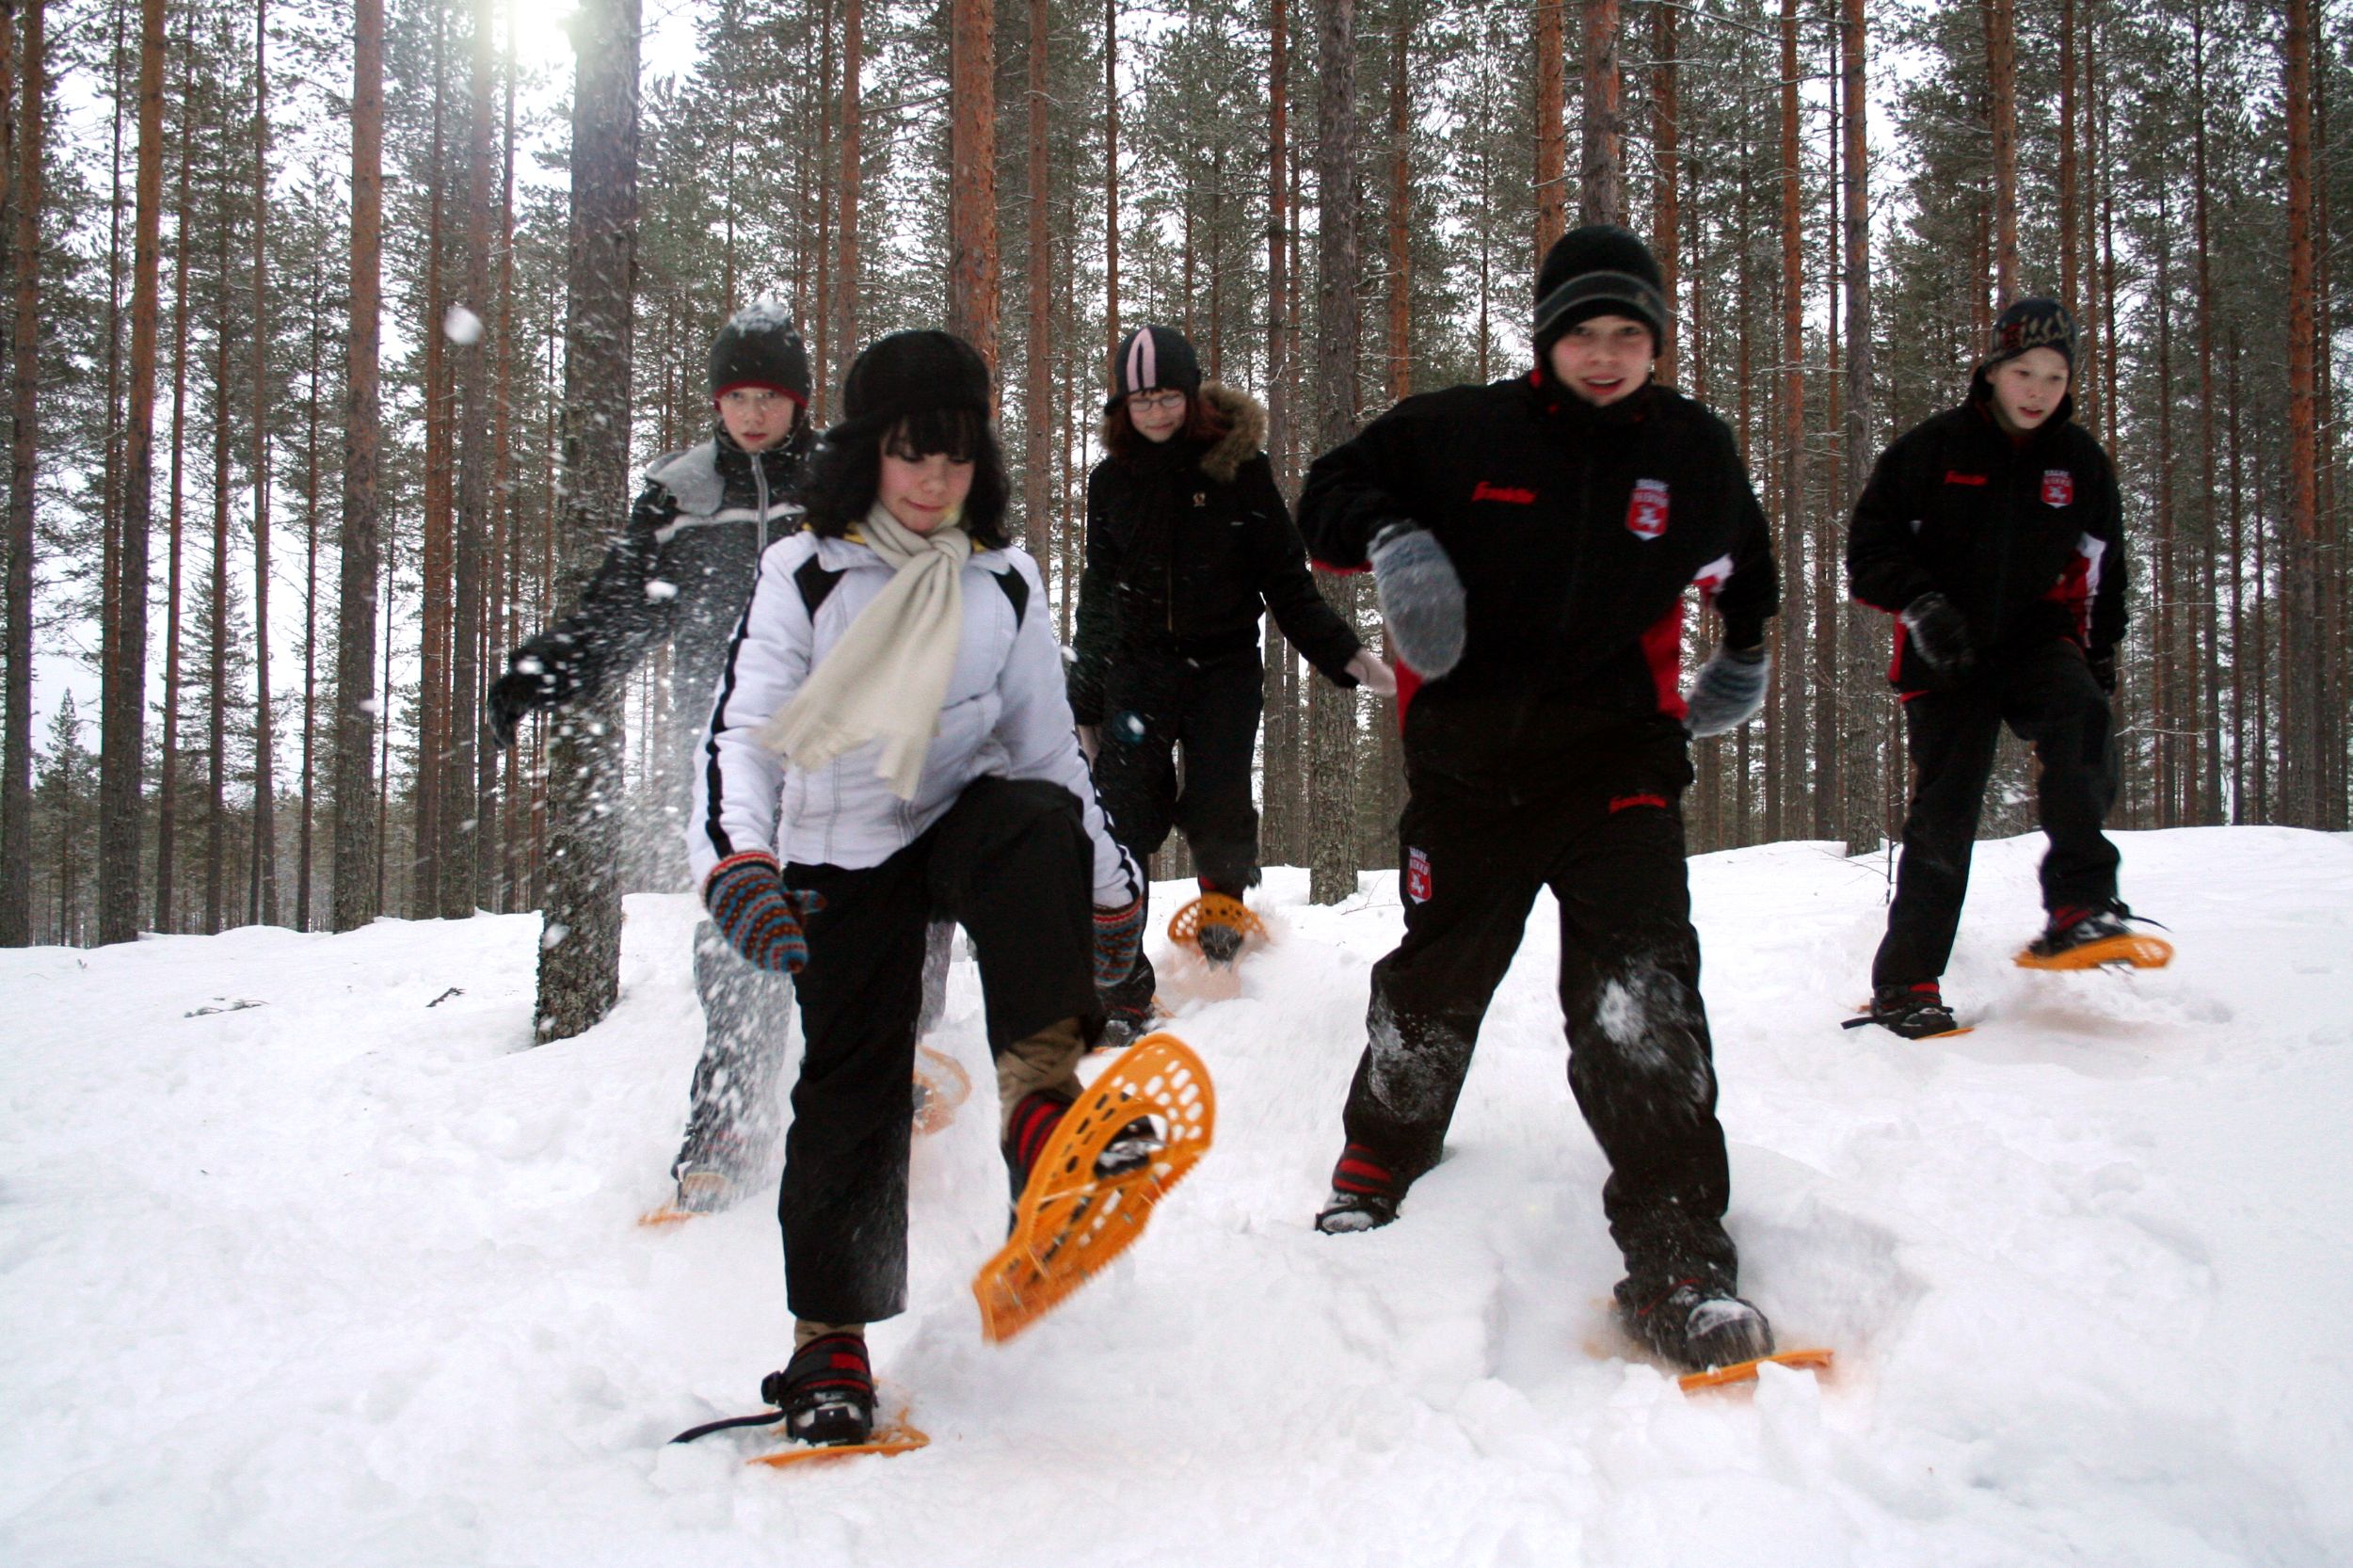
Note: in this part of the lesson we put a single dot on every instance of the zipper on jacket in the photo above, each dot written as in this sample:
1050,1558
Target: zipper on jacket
760,486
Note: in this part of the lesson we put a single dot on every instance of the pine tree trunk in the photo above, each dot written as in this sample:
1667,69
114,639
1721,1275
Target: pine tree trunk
2001,70
1867,808
2299,796
217,710
495,797
581,950
1111,179
167,792
463,865
1332,712
972,176
309,608
25,203
1666,143
1036,416
1401,280
359,883
1601,188
122,749
846,315
264,736
1788,737
2067,195
1552,136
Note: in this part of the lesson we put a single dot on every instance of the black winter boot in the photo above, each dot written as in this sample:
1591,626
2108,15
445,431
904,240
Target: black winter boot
1365,1195
1695,1324
1039,1113
826,1391
1916,1012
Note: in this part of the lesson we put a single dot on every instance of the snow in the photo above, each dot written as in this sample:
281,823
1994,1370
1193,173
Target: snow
348,1274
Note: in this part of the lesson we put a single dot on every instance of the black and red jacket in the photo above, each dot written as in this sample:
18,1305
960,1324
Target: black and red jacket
1577,531
2024,537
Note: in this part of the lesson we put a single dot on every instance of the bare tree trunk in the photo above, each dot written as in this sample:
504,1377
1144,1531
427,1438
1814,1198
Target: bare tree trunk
2299,750
1401,331
1601,190
122,756
1332,712
462,865
216,713
2001,70
579,954
1552,136
1789,734
433,833
845,274
1666,142
24,202
166,804
309,609
972,176
2067,155
357,881
1036,414
1866,807
264,735
497,780
1111,178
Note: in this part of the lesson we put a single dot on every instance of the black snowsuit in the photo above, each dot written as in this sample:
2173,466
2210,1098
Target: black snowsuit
2025,538
1187,547
681,570
1553,756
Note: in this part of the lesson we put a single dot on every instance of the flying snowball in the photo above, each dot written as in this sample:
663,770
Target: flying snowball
461,325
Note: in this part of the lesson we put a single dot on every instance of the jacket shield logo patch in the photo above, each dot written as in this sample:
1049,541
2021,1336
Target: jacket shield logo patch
1646,510
2058,487
1417,877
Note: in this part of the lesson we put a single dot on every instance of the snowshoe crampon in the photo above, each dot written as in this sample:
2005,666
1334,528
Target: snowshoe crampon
941,1084
893,1436
1215,926
1069,1221
1745,1372
2137,949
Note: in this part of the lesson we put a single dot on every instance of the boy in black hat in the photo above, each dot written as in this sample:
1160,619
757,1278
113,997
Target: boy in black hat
1993,533
1532,542
681,571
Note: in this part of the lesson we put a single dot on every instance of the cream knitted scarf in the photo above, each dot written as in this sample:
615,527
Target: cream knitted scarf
887,677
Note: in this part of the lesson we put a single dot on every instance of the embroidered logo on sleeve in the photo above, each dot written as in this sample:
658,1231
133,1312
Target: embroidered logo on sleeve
2058,487
1646,509
1417,876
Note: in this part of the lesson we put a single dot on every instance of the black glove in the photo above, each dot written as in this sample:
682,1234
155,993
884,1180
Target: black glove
2103,662
523,690
1421,597
1941,634
1729,691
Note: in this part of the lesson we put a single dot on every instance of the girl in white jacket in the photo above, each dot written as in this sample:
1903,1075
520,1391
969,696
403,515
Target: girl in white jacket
890,741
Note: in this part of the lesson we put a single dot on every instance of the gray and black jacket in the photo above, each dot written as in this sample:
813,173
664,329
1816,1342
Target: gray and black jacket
681,570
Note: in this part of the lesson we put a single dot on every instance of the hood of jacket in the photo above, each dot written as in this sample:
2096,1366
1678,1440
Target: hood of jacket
1245,436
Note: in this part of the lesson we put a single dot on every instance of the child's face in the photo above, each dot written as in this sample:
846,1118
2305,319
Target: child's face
1155,415
1603,358
2027,390
756,417
923,492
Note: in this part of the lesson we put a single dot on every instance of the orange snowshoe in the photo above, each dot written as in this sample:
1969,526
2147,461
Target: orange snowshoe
1215,926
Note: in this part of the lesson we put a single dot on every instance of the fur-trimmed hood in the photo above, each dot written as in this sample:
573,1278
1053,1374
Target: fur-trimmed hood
1244,440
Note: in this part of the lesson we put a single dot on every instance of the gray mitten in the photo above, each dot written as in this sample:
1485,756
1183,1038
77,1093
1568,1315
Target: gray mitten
1730,690
1421,597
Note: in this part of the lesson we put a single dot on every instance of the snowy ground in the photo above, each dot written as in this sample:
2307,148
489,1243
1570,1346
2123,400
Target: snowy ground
351,1276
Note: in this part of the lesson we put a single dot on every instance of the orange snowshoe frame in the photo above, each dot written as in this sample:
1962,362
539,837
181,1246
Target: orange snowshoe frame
1184,927
1745,1372
946,1085
1069,1223
891,1437
2140,952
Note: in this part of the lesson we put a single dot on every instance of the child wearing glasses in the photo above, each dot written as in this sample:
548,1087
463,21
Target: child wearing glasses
1189,543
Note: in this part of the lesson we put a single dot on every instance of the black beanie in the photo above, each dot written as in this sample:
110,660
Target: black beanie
2029,324
1153,357
761,348
1600,269
914,372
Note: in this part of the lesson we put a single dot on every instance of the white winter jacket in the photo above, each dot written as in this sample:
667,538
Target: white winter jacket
1006,716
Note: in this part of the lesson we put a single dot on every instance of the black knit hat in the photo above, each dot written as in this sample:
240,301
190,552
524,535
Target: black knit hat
761,348
1153,357
914,372
1600,269
2029,324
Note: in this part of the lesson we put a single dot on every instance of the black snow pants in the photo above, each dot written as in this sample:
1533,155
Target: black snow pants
1604,831
1012,864
1157,708
2047,696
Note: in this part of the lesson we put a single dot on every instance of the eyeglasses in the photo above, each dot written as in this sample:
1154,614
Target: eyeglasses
1155,403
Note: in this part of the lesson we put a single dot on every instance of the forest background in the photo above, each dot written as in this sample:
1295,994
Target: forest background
337,332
